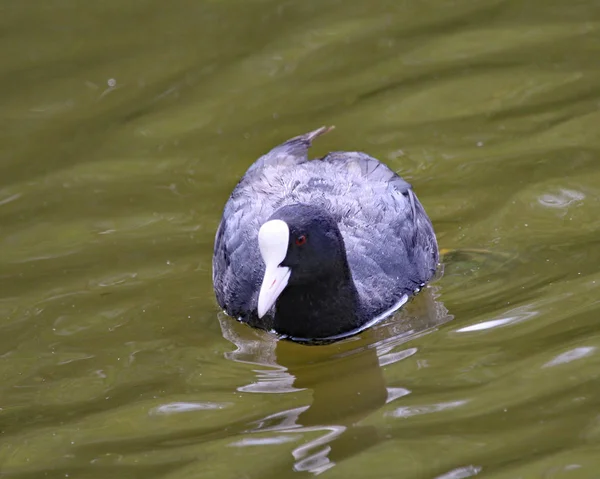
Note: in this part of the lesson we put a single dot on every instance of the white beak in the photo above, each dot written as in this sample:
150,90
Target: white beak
275,280
273,238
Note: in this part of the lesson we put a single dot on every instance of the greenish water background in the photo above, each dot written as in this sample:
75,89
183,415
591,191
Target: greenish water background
125,125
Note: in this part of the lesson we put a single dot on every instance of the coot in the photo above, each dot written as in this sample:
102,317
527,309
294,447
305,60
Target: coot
322,249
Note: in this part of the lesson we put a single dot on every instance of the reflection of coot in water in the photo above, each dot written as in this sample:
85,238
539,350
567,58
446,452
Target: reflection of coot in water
346,380
344,242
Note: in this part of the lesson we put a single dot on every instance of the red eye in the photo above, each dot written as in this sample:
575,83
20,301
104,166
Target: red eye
300,240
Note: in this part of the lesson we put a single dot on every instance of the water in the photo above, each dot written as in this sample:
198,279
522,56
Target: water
125,125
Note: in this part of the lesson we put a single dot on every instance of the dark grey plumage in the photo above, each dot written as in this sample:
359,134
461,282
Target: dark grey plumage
390,244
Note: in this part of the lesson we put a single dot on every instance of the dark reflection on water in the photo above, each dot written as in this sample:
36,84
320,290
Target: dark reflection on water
346,380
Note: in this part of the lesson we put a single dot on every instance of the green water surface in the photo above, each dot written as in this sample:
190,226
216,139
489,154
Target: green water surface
124,126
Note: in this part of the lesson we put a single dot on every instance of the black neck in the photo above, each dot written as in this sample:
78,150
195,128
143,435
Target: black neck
323,308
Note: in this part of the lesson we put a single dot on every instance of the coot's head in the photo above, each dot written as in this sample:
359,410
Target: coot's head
300,244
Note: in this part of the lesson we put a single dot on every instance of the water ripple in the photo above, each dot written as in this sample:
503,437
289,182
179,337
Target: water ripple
569,356
179,407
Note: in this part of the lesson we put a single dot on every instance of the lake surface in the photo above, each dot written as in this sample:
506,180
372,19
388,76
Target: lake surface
124,127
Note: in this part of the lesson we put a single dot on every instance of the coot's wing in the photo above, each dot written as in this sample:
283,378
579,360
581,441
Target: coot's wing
389,238
237,265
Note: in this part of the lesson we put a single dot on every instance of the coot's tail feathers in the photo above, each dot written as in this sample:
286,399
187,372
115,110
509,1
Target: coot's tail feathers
299,145
315,134
292,152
